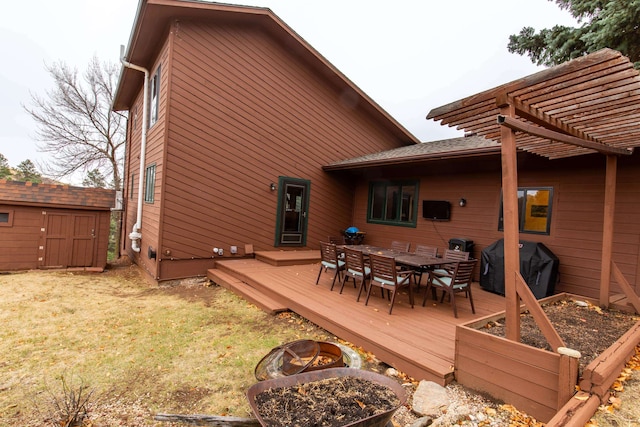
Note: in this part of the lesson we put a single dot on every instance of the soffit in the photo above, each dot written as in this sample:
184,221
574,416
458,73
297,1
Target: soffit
595,98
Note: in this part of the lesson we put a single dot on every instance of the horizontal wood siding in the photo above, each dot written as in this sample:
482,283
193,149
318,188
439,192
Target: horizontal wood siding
243,112
131,175
155,151
19,242
525,377
576,227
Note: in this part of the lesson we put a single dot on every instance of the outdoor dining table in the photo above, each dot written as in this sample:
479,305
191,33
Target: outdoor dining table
416,262
408,259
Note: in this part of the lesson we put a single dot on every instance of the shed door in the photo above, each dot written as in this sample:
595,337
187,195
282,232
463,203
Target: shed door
69,240
292,213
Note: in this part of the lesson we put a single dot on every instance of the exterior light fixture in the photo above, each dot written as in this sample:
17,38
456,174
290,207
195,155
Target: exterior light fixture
272,186
463,202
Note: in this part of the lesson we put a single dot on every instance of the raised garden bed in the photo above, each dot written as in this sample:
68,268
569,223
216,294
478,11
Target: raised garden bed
528,374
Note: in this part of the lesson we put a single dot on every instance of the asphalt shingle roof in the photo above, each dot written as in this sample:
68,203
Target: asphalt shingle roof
32,194
454,147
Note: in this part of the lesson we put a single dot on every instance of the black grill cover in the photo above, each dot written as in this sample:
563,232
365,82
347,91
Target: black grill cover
538,267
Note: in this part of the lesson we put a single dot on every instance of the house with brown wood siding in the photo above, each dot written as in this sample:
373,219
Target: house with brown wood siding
469,168
256,142
241,116
45,226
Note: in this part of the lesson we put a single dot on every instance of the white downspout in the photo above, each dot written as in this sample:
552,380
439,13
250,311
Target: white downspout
135,234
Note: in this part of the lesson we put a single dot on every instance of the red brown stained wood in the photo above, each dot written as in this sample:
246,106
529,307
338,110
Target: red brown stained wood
419,342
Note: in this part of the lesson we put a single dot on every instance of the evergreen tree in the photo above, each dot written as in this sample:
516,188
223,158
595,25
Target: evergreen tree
27,172
94,179
604,23
5,170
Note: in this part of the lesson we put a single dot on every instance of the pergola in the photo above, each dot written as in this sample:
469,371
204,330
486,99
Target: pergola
587,105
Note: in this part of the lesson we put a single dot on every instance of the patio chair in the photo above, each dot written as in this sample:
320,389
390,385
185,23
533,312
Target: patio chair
424,250
400,246
336,240
385,275
330,261
356,269
452,255
455,255
456,278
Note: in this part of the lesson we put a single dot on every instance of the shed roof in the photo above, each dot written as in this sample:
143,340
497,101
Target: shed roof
594,99
55,196
154,17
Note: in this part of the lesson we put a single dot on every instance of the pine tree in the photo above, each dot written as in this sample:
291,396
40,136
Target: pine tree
27,172
5,170
604,23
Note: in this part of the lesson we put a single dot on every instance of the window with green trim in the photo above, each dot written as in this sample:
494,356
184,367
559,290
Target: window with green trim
393,203
534,210
150,183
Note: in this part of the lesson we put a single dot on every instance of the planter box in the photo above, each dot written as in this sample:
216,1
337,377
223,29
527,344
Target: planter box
539,382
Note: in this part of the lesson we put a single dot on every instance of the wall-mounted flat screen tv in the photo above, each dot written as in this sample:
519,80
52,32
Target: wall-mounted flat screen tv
436,210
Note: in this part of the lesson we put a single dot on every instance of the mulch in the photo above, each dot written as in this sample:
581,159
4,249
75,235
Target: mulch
581,325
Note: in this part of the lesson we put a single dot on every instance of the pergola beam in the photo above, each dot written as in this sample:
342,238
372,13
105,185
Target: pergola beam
548,122
517,125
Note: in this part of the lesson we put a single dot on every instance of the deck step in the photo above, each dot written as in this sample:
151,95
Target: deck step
283,258
246,291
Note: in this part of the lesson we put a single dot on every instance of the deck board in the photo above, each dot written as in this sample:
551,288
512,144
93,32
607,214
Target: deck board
418,341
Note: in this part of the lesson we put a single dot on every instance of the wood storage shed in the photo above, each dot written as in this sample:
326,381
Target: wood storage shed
53,226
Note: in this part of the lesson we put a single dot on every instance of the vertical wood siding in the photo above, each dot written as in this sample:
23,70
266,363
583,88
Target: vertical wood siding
577,215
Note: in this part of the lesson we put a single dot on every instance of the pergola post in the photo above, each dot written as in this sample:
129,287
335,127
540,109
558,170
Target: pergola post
607,229
510,223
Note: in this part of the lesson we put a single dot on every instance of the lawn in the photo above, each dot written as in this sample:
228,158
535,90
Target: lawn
137,348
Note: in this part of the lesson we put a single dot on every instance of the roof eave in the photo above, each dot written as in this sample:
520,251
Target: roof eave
402,161
153,17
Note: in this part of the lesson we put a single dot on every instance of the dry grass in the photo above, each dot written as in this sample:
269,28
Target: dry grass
141,349
622,409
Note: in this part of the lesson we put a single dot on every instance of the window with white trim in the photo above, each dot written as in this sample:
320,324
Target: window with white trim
154,97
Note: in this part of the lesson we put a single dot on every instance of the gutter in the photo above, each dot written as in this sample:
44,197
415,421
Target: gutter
135,234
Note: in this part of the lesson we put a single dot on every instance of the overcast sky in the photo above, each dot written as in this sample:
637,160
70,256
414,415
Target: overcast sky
408,55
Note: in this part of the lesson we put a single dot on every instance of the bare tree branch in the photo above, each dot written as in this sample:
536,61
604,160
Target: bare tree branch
76,124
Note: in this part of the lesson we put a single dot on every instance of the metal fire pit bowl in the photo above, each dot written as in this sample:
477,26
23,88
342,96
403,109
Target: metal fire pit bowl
303,356
379,420
330,354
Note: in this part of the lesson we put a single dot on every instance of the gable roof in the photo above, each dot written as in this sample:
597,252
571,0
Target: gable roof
467,146
591,103
154,17
58,196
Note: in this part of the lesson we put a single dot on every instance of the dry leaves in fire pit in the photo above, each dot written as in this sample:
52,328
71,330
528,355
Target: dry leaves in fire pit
329,402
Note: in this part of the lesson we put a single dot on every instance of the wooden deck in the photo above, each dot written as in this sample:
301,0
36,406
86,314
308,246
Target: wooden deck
419,341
